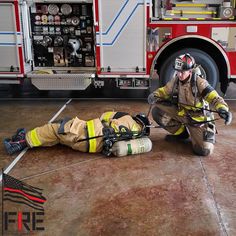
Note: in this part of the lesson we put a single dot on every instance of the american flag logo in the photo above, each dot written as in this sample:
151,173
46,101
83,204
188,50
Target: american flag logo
17,191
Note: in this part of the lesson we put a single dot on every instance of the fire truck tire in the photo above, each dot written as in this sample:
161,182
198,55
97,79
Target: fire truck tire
202,58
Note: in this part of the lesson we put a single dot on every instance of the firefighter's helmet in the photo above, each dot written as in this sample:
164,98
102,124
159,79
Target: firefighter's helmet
142,119
184,62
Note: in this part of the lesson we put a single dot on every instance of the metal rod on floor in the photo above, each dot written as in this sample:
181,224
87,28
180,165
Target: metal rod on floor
9,168
149,110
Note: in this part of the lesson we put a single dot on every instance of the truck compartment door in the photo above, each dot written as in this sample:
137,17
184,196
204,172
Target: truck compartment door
121,35
11,61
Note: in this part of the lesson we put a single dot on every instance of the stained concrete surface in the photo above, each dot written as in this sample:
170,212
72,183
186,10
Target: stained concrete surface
18,114
168,191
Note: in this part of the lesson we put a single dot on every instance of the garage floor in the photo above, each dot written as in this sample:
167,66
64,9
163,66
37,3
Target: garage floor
168,191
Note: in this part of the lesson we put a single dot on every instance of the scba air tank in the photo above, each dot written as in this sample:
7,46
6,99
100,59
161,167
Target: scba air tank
133,146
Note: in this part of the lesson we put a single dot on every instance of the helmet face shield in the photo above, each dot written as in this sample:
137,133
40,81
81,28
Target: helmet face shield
184,62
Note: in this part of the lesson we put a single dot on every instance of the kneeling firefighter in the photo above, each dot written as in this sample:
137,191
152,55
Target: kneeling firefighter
182,106
114,132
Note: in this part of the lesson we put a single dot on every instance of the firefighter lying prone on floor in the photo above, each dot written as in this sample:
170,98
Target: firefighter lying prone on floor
114,132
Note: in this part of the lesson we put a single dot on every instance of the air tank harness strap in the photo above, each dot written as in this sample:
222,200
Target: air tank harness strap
61,129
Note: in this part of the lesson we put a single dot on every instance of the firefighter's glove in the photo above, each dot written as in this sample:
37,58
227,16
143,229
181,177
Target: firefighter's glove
226,115
152,99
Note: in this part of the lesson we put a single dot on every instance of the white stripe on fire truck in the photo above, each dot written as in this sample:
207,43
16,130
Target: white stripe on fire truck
10,39
10,32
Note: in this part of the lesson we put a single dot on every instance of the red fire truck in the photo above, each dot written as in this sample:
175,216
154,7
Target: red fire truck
72,44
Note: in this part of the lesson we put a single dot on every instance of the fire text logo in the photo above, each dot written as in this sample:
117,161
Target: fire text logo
21,193
31,221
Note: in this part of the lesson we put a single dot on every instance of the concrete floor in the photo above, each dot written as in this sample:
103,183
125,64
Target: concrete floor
168,191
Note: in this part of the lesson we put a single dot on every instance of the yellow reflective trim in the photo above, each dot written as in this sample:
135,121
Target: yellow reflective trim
135,128
107,116
180,130
162,93
190,12
181,113
220,105
162,90
193,108
188,107
91,133
114,127
212,95
198,12
199,105
199,118
123,130
189,5
34,138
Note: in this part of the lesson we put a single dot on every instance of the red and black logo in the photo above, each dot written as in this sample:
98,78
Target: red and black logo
16,191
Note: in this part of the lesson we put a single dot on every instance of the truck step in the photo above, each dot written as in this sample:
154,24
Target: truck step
61,81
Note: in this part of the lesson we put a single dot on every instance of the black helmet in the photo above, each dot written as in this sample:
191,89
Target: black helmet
142,119
184,62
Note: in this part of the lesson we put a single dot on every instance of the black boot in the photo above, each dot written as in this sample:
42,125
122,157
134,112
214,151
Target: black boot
183,136
13,147
20,135
17,143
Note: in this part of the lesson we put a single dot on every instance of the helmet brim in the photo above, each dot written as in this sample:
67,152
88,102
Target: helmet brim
145,129
181,70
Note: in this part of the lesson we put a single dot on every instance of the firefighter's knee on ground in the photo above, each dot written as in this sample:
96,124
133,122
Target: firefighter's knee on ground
207,146
204,150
